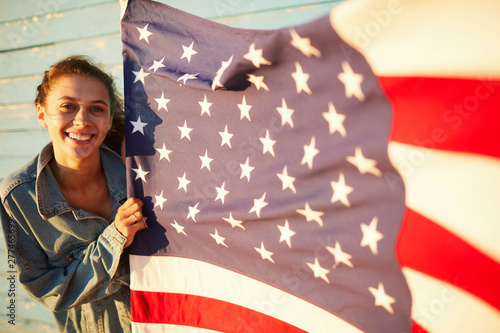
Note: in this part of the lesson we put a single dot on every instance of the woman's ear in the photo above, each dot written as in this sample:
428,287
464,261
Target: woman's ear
41,115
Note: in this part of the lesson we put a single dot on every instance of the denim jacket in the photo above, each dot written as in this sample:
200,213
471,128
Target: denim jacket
68,259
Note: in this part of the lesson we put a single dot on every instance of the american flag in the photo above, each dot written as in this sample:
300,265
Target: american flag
271,200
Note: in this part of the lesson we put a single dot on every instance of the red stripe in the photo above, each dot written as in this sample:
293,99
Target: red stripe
416,328
444,113
427,247
201,312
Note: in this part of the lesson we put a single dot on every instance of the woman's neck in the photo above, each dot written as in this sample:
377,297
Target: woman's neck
77,175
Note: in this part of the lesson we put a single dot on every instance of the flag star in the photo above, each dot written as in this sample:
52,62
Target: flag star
318,270
226,137
258,81
255,56
371,236
286,233
183,182
162,102
244,109
381,298
218,239
287,180
363,164
188,52
164,153
178,227
225,64
138,125
310,152
311,215
335,120
205,161
160,200
341,191
286,113
140,75
144,33
267,144
266,255
185,131
140,174
187,76
205,106
304,45
258,204
246,169
193,210
233,222
340,256
157,64
351,81
301,79
221,192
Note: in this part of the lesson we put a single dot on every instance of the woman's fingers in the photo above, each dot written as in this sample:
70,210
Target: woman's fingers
129,219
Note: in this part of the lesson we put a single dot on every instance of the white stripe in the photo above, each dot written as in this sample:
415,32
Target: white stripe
440,307
453,38
189,276
459,191
165,328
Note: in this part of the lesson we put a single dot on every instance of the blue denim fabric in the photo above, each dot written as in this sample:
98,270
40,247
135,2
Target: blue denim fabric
68,259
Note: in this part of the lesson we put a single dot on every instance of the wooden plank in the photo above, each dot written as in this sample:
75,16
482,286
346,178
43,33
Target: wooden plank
15,117
22,144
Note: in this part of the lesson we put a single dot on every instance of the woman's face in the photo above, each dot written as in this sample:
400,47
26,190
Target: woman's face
77,115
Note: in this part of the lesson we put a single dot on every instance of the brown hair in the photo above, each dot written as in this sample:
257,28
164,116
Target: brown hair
82,65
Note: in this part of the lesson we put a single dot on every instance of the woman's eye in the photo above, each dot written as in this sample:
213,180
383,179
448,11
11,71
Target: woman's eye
67,106
96,109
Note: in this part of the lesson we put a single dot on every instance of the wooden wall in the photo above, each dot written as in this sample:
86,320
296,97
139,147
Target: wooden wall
37,33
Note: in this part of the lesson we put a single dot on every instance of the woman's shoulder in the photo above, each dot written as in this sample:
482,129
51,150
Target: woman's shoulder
25,174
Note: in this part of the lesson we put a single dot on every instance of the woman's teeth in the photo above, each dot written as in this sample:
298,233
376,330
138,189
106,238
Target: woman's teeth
79,137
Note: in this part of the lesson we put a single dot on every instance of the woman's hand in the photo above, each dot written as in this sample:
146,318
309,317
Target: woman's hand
129,219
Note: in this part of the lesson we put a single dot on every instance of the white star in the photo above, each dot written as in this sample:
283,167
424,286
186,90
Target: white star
341,191
244,109
304,45
363,164
233,222
286,113
258,204
351,81
162,102
140,75
140,174
381,298
311,215
287,180
226,137
309,153
156,65
335,120
218,239
193,210
225,64
187,76
164,153
138,125
246,169
188,52
286,233
205,161
183,182
264,253
340,256
221,192
267,144
178,227
255,56
318,270
301,79
185,131
205,106
144,33
258,81
160,200
371,236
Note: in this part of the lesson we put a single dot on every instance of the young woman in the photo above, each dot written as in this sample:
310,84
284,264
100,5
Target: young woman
65,214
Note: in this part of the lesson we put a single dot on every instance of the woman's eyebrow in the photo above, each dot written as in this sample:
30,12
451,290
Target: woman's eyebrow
97,101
